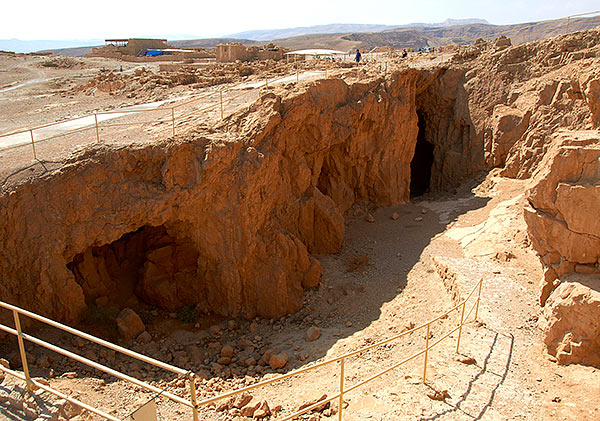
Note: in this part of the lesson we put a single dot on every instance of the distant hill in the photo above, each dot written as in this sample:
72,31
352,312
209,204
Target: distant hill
337,28
423,37
20,46
417,35
208,42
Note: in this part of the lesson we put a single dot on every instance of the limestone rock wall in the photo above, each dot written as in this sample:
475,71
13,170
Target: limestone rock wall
520,96
232,219
563,226
570,320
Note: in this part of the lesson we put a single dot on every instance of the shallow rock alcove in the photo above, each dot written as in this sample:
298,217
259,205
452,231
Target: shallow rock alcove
148,266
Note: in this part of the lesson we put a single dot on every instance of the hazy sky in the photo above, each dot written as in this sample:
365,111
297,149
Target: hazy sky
84,19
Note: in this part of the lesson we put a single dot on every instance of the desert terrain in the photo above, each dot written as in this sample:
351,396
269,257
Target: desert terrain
314,219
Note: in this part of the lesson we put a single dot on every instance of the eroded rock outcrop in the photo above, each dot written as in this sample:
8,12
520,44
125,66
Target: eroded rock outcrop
520,96
231,219
564,230
571,320
565,200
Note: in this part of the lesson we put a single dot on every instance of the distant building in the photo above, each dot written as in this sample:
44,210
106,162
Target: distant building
146,49
235,51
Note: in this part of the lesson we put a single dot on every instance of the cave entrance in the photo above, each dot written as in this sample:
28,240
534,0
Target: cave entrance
422,162
144,269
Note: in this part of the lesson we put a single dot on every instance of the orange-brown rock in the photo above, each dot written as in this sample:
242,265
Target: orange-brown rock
229,220
565,200
520,96
571,320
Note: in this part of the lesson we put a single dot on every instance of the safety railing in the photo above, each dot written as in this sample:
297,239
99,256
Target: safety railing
193,402
33,384
343,390
94,122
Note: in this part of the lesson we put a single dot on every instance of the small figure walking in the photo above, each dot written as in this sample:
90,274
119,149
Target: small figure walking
358,56
121,69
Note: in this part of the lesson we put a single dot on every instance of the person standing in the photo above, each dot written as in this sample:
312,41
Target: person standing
358,56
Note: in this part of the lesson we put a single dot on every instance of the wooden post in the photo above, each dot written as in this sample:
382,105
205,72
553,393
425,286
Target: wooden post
33,144
193,396
478,299
462,317
341,401
426,353
22,350
97,130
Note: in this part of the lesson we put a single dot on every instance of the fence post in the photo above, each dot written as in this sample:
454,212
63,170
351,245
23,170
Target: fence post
221,99
33,144
97,131
341,403
22,350
462,316
173,119
426,352
193,395
478,299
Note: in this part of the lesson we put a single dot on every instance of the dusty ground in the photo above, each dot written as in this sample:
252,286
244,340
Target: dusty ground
418,266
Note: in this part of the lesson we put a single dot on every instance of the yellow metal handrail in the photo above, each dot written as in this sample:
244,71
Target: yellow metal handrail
31,383
193,403
342,359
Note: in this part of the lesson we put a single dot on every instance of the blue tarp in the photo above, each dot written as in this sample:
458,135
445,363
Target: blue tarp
154,53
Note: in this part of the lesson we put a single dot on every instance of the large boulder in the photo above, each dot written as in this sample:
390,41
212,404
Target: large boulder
570,320
564,202
129,324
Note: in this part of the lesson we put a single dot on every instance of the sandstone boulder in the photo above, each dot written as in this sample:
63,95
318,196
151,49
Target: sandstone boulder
278,360
129,324
571,320
564,200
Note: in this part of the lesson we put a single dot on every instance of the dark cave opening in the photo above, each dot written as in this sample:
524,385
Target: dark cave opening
147,268
422,162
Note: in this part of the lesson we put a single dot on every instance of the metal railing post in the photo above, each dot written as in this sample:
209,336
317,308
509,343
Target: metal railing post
173,119
341,402
462,316
193,395
22,350
97,130
221,99
426,352
33,144
478,299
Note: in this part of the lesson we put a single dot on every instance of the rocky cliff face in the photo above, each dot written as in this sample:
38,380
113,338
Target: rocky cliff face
564,229
230,219
520,96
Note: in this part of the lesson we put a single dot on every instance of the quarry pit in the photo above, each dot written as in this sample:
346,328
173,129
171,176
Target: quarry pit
354,206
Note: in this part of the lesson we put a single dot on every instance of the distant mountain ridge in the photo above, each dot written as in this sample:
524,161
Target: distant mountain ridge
337,28
22,46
